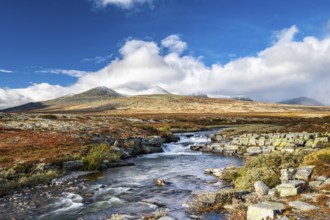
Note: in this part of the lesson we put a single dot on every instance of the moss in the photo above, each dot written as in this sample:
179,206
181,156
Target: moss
98,153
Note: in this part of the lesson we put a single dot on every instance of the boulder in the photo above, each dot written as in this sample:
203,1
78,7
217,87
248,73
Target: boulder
315,184
287,174
304,173
261,188
73,165
253,150
215,172
302,206
265,210
272,192
291,188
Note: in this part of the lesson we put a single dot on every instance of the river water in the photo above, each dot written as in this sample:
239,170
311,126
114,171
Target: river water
127,190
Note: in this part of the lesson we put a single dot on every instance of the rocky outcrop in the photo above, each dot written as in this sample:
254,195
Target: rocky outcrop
139,145
302,206
254,144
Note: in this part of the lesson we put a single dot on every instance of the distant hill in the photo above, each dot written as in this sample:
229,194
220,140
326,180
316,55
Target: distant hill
242,98
156,90
302,101
200,95
98,94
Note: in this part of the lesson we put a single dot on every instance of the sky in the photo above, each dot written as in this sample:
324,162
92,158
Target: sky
268,50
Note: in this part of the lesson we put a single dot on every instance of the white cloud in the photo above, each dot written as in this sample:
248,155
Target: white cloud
126,4
286,69
73,73
174,44
5,71
98,59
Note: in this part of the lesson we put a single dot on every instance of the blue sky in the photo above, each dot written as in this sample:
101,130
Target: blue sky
38,36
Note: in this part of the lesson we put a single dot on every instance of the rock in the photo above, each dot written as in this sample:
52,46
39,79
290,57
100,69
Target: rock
288,148
73,165
197,147
291,188
321,178
261,188
215,172
309,143
304,173
287,174
272,192
160,182
315,184
265,210
253,150
302,206
166,218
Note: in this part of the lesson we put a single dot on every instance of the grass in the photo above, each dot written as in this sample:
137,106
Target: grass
321,160
98,153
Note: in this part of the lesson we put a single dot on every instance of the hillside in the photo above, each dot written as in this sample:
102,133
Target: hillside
302,101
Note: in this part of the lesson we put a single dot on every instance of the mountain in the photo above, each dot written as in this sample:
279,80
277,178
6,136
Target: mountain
95,94
200,95
242,98
90,99
302,101
156,90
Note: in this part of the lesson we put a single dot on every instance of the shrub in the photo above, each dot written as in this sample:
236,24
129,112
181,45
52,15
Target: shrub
201,203
265,168
321,160
50,117
98,153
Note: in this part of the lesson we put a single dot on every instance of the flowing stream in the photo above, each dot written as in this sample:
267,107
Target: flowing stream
127,190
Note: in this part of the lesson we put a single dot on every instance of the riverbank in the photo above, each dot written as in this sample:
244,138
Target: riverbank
285,176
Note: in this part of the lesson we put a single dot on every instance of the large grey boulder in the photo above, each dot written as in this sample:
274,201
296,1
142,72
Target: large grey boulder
302,206
261,188
265,210
304,173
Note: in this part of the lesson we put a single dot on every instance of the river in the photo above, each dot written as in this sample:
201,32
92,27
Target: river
127,190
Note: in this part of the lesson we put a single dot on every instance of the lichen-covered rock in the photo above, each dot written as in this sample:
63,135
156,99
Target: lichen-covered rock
291,188
304,173
287,174
302,206
265,210
253,150
315,184
261,188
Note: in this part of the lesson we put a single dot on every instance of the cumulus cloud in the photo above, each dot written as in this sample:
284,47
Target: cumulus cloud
286,69
126,4
73,73
174,44
5,71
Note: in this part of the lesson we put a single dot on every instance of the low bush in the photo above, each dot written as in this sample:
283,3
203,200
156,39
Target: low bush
201,203
98,153
265,168
321,160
